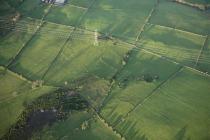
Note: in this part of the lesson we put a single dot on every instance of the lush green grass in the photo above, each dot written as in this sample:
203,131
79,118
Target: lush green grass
81,58
135,89
94,90
33,8
71,129
182,17
41,51
16,39
68,15
120,18
82,3
6,9
204,60
180,46
178,110
14,92
11,83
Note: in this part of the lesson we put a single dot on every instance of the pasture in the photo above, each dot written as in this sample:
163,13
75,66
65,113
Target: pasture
179,46
82,58
67,15
14,94
81,125
13,42
182,17
122,19
204,60
142,67
40,52
172,110
142,75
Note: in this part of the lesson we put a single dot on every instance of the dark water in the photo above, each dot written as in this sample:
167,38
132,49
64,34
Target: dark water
35,122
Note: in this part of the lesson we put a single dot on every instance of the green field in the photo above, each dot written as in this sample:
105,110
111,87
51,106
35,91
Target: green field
179,46
204,60
68,15
105,70
82,3
103,60
71,129
131,88
173,111
13,42
113,17
15,92
182,17
35,59
33,8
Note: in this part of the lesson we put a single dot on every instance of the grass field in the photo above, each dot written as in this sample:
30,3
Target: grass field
16,39
15,92
113,17
204,60
172,111
82,3
94,90
140,66
81,58
71,129
34,8
182,17
177,45
37,56
132,88
68,14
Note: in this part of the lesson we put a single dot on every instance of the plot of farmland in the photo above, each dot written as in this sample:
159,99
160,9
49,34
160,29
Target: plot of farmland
172,111
177,45
123,19
182,17
68,14
141,76
12,43
72,129
105,70
15,91
204,59
41,51
34,8
81,58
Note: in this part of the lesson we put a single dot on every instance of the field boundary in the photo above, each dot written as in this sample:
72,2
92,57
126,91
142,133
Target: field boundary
201,51
177,29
